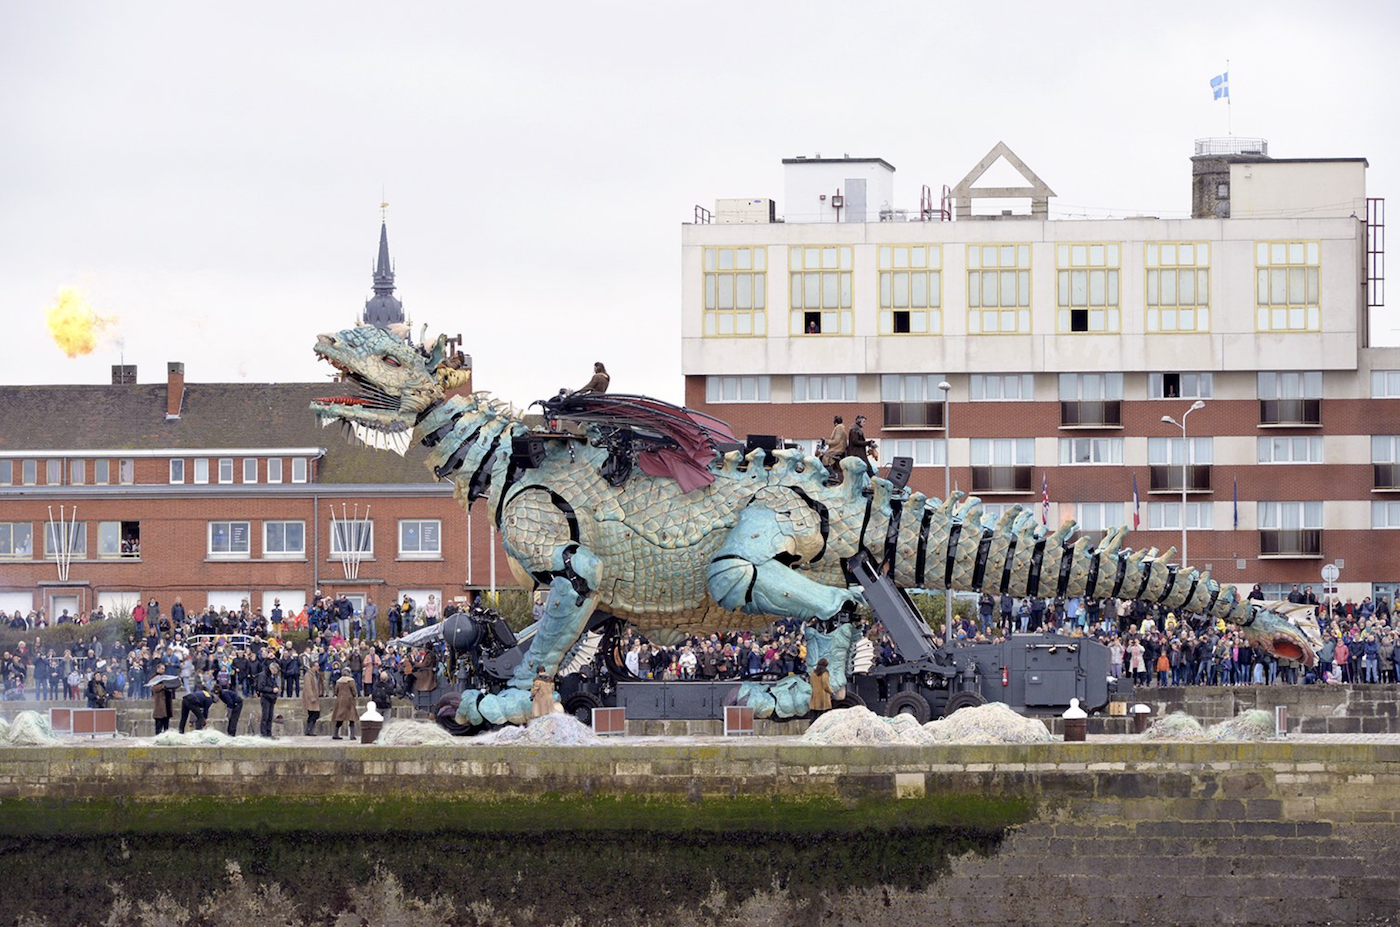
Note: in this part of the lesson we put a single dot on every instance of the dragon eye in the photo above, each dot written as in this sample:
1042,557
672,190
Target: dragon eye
392,361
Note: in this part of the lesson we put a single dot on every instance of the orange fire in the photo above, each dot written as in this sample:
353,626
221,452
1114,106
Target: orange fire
73,323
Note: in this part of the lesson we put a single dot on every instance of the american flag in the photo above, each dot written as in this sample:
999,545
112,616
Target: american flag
1137,508
1044,500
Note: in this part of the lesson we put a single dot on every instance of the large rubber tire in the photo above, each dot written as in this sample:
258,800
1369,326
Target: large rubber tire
850,700
963,700
908,703
581,705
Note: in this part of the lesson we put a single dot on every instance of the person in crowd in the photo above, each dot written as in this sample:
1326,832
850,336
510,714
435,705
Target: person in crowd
310,699
344,709
269,688
162,695
541,693
820,680
371,615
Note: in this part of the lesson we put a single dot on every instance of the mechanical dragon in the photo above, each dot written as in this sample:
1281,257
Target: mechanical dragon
640,508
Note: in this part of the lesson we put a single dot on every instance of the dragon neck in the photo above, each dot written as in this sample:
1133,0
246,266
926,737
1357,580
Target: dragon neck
465,435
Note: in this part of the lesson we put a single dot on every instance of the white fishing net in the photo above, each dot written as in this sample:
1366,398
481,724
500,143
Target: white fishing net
993,723
554,729
209,737
29,729
417,734
1249,725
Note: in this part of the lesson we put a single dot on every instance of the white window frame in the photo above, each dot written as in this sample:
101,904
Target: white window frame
343,528
1096,516
1080,387
1167,452
1384,448
992,270
820,282
201,470
1166,516
910,387
1291,449
1002,452
1000,387
274,469
1081,267
1385,384
77,539
926,452
177,469
1272,515
1290,384
126,471
77,472
225,470
1090,452
1288,287
1385,515
404,554
736,291
905,269
267,546
230,554
29,472
721,389
7,532
53,473
7,472
818,388
250,469
1190,385
102,472
1172,269
300,470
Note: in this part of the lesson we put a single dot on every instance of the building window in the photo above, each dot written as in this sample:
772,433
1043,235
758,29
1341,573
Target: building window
126,471
54,535
30,472
274,469
1002,464
250,469
736,288
420,539
911,289
1094,516
1090,451
1286,291
229,539
201,470
824,389
1087,290
1385,384
1290,529
102,472
350,535
1385,514
284,539
736,389
1385,460
1291,450
1003,387
992,512
119,539
998,289
53,472
1180,385
1169,451
911,400
177,470
1290,515
298,469
1166,516
1091,400
819,287
926,452
1178,286
16,540
7,472
1291,397
77,472
225,469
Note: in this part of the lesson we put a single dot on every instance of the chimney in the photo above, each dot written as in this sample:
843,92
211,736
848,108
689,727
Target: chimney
123,374
174,390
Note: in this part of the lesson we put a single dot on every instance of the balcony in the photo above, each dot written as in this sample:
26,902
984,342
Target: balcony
1387,476
1001,480
1091,413
1291,542
1307,412
913,414
1167,478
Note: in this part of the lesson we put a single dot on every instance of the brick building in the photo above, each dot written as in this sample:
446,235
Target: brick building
219,493
1066,343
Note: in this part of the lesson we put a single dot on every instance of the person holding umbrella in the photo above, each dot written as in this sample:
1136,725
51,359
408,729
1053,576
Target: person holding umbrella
162,692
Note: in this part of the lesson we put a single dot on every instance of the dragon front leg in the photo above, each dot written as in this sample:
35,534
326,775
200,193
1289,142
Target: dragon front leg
573,595
747,574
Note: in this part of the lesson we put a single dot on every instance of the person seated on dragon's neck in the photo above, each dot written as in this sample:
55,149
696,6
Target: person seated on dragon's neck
598,383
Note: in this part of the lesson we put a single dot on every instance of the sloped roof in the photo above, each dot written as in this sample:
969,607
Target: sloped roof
213,415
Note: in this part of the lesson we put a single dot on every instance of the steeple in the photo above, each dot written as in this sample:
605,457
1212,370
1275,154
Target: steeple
383,309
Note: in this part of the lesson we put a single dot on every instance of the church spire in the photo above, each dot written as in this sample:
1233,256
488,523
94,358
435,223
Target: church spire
383,308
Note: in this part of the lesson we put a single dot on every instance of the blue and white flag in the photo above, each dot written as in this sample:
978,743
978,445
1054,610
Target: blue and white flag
1220,84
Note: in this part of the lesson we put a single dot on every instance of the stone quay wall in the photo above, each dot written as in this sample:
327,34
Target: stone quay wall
1079,833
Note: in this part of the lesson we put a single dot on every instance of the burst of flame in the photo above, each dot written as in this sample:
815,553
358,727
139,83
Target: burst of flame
73,323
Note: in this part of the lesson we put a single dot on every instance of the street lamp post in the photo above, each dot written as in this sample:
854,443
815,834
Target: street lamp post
1185,466
945,387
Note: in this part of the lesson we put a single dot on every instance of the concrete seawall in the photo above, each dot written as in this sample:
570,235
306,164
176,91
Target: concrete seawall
1131,833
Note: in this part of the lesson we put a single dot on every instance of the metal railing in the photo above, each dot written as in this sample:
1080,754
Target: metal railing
1290,412
913,414
1387,475
1232,145
1290,542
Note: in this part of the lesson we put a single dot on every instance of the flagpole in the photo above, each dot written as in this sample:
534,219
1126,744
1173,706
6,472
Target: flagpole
1229,122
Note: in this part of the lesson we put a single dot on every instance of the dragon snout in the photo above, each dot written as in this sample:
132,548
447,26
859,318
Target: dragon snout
326,339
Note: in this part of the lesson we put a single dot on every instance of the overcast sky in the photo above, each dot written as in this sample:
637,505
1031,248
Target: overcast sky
211,173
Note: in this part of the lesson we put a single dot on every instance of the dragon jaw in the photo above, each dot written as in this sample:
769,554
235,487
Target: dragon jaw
393,382
1285,630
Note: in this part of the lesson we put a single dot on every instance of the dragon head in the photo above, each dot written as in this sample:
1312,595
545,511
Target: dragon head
1285,630
394,382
